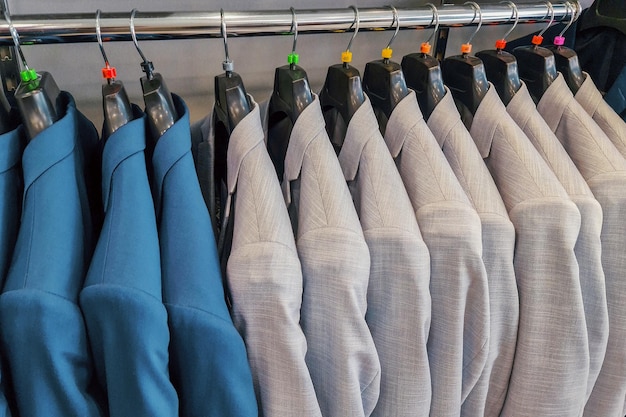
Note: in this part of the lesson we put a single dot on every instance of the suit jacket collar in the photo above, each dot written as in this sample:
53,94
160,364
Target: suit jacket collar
444,118
486,122
173,145
308,126
554,102
247,135
403,119
521,106
360,130
11,147
588,95
122,144
51,145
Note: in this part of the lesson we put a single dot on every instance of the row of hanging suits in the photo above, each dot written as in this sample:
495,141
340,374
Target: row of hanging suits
314,266
493,285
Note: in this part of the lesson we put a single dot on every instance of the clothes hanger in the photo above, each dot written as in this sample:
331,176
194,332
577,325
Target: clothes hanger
9,76
231,106
607,13
292,94
36,95
501,66
115,103
160,107
566,58
423,73
465,74
342,89
536,64
383,80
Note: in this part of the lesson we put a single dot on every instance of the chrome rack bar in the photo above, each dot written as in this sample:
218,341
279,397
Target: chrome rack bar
80,27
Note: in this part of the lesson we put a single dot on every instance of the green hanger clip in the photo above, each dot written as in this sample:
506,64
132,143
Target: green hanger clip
293,58
28,75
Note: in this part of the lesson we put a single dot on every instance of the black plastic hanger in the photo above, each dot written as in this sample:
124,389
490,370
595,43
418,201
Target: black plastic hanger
536,64
423,73
342,89
608,13
565,58
7,121
501,66
383,80
36,95
465,74
160,107
292,94
231,106
115,102
10,78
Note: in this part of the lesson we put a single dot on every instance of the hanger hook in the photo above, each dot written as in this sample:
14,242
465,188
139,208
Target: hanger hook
28,74
551,11
294,29
434,19
146,66
467,47
99,38
396,20
227,64
355,23
515,11
108,72
571,8
293,58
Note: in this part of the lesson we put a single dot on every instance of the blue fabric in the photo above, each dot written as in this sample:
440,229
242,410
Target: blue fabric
208,361
616,96
121,300
11,148
43,333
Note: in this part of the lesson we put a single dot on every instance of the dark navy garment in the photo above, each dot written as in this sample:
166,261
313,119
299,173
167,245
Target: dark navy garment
121,299
43,334
208,361
11,188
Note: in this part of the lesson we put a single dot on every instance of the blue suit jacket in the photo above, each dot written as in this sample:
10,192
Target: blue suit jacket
11,188
208,362
43,333
121,299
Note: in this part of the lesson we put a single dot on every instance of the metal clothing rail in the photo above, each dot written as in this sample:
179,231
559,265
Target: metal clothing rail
80,27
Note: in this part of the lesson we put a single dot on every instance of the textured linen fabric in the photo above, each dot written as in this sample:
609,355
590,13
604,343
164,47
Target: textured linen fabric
208,362
342,357
398,296
604,169
11,188
605,117
458,342
121,298
263,272
588,247
498,237
551,366
43,332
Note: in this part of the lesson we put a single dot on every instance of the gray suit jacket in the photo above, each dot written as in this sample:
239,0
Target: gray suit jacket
342,357
588,247
498,235
458,342
398,297
264,276
610,122
604,169
552,355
